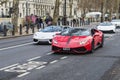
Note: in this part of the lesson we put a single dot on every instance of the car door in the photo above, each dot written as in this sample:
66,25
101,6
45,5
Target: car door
96,37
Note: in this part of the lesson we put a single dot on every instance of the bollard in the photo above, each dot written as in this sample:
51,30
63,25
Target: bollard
27,28
38,26
20,29
5,30
71,23
33,29
13,32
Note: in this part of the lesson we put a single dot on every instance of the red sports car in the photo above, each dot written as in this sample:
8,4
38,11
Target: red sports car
77,40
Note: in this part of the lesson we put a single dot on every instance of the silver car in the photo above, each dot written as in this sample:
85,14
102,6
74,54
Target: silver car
9,26
116,22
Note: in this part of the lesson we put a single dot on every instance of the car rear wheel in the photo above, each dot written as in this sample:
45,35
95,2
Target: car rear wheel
102,42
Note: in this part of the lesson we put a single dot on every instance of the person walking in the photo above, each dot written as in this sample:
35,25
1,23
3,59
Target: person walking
48,20
40,21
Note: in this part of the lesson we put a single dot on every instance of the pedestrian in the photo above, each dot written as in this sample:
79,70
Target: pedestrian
37,22
48,20
74,22
40,22
58,21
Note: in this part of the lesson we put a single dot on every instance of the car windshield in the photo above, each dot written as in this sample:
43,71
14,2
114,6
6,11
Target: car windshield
105,24
115,21
75,32
51,29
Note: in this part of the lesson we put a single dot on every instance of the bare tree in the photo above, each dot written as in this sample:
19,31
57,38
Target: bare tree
3,1
15,14
109,6
56,11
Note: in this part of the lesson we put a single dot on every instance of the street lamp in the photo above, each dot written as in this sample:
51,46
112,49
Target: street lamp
101,11
64,13
26,8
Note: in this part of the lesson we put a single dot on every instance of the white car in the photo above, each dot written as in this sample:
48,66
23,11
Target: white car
116,22
46,34
106,26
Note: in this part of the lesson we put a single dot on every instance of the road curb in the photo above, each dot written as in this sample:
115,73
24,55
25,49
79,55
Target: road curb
14,36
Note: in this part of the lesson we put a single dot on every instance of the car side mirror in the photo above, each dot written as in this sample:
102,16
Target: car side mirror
92,31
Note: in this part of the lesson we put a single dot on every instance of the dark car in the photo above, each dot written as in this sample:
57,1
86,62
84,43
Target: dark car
9,26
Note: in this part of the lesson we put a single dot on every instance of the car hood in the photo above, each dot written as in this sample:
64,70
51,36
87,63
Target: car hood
71,41
44,35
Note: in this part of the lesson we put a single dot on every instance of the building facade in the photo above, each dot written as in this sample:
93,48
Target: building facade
28,7
38,7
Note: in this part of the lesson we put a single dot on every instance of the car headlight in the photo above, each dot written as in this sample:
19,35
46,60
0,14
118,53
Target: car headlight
83,42
55,41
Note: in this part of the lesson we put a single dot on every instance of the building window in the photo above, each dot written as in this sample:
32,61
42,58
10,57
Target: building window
6,12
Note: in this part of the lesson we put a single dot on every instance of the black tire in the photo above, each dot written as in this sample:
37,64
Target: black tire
92,47
102,43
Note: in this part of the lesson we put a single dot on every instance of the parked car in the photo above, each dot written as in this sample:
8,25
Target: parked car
116,22
9,26
107,26
77,40
46,34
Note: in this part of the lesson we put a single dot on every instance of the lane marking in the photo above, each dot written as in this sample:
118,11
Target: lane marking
9,66
49,53
13,70
15,46
54,61
64,57
34,58
24,74
41,67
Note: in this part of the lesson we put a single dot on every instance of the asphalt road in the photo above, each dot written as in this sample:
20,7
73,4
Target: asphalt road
21,59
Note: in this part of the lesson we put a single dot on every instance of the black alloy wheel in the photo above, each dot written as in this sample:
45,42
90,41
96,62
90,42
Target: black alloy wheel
92,47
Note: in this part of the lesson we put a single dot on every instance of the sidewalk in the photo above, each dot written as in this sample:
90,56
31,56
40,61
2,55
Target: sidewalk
9,34
31,33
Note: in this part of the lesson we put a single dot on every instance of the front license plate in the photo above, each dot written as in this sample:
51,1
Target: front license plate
66,49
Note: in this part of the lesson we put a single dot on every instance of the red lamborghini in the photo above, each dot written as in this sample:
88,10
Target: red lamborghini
77,40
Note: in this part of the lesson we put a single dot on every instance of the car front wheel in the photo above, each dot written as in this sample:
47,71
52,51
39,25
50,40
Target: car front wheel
92,47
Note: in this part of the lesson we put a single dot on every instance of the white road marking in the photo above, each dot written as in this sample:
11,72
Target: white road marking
24,74
23,67
54,61
64,57
41,67
34,58
9,66
13,70
15,46
49,53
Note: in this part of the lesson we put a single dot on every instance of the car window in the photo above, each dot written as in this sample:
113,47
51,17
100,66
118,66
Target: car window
75,32
106,24
115,21
51,29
